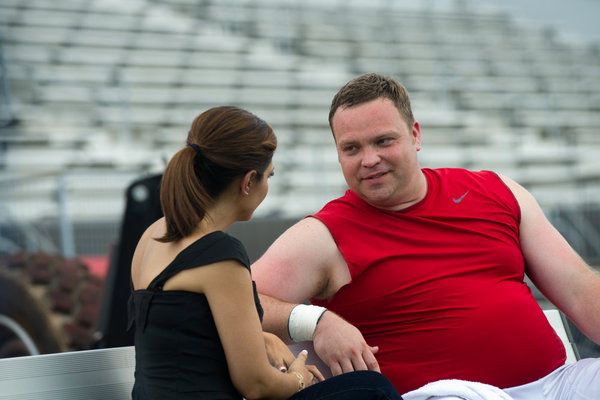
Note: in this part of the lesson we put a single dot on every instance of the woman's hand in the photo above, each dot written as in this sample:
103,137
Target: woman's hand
279,354
317,375
310,373
282,358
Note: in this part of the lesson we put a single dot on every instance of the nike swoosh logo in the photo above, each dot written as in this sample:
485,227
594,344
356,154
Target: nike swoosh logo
458,200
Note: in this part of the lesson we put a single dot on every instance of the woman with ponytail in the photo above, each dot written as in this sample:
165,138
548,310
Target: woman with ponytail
196,312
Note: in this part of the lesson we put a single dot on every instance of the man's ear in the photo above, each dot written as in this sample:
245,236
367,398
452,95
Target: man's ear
247,181
416,133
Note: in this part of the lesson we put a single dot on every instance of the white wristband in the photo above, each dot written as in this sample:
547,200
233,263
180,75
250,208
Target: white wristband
303,322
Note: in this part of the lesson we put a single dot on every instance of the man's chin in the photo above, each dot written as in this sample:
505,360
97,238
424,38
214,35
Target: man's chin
377,197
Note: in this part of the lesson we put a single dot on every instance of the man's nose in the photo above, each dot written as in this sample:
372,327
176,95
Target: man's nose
370,157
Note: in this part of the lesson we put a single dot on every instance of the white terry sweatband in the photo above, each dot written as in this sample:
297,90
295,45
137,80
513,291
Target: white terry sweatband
303,322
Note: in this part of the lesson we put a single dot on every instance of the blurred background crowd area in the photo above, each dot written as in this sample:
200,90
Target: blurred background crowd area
95,94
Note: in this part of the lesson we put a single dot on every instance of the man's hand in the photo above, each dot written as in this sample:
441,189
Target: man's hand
342,347
279,354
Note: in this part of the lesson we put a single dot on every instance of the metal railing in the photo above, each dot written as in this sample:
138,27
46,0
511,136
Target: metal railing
67,212
7,117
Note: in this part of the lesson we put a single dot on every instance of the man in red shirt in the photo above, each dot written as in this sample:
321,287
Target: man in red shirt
421,270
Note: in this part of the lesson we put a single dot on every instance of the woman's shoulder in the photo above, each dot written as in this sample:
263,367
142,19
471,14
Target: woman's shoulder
218,246
156,230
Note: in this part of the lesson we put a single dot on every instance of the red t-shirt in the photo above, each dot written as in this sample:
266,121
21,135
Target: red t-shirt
439,286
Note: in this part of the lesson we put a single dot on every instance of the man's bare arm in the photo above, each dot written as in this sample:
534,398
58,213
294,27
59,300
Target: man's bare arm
276,316
555,268
304,263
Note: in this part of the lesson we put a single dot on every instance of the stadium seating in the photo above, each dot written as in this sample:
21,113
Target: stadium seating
102,85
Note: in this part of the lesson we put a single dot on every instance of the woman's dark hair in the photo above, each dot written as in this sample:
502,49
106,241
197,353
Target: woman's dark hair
223,144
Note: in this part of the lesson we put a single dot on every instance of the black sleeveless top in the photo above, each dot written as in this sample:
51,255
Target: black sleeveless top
178,352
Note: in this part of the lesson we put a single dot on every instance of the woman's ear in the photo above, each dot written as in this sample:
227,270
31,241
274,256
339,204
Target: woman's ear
247,181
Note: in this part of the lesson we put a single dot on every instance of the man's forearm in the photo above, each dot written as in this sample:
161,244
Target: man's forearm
275,319
589,320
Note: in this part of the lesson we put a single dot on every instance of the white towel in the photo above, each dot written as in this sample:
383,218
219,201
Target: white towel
455,389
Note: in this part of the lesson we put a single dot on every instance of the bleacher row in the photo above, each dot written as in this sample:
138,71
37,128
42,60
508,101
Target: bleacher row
109,85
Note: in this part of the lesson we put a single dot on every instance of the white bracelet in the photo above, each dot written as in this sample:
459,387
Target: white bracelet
303,322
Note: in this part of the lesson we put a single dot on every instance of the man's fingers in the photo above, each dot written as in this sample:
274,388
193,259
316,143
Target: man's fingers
359,364
370,360
342,346
347,365
364,361
336,368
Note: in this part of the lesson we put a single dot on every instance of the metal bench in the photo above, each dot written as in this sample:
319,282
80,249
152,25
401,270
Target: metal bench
109,373
90,374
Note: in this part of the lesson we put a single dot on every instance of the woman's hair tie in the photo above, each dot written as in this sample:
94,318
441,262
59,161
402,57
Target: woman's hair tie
196,148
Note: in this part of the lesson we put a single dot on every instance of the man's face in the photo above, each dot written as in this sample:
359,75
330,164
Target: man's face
377,151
